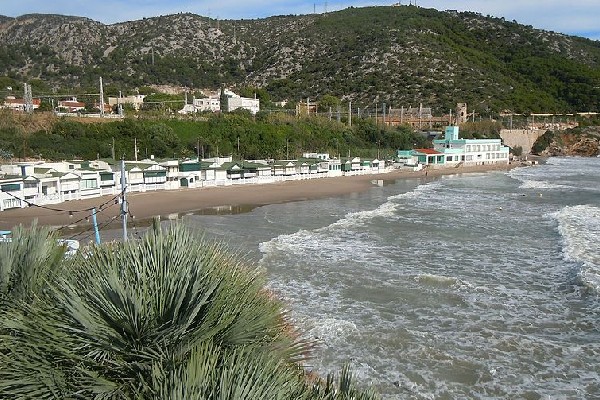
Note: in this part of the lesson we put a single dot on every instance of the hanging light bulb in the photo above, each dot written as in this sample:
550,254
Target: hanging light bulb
70,214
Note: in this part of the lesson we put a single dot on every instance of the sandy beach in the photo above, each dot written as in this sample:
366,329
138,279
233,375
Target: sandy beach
172,204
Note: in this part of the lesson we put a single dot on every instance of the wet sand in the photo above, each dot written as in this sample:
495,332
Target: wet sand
171,204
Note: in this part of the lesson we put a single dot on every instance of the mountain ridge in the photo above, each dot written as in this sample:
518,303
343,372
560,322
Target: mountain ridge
373,55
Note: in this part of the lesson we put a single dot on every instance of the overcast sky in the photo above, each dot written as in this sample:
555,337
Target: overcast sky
575,17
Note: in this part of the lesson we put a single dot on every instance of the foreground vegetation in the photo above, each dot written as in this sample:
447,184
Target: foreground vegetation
171,316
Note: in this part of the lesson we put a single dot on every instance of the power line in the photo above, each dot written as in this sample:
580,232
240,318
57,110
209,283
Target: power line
30,204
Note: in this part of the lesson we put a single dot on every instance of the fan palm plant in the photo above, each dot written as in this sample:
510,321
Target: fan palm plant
27,262
172,316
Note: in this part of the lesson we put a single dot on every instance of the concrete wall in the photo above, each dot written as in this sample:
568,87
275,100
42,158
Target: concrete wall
521,137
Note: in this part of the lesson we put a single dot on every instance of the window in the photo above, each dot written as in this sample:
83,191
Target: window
10,187
88,184
12,203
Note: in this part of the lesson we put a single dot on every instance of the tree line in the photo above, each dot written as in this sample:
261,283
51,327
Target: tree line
264,136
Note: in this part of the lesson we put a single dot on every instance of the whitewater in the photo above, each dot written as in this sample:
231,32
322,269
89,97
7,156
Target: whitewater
482,285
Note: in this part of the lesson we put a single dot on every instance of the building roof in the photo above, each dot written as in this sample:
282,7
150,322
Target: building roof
427,151
21,101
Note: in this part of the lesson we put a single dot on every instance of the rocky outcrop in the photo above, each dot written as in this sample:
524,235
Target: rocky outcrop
583,142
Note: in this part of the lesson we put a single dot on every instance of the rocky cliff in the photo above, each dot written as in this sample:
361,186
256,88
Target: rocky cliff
582,142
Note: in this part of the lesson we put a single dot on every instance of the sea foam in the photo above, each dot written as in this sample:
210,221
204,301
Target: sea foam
579,227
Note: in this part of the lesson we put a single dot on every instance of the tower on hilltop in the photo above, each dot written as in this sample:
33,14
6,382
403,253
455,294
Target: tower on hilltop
461,113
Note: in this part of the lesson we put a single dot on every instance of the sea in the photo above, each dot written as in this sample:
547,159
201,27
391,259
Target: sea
474,285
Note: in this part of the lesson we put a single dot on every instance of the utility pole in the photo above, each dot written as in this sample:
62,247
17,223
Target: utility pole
27,98
112,150
124,199
95,222
376,122
101,99
120,106
349,113
401,115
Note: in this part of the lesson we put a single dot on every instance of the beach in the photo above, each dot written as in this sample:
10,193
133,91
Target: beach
171,204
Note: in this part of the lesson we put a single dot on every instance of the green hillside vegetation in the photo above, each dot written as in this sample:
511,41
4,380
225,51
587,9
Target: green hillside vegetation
267,136
397,55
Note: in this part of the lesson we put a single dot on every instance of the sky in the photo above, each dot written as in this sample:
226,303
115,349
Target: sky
575,17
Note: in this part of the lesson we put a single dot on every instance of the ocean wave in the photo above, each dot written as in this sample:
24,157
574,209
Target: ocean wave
579,227
438,280
328,330
304,240
533,184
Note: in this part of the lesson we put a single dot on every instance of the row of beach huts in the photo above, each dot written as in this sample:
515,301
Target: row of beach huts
23,184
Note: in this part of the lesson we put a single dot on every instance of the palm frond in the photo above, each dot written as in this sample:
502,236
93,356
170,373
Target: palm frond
136,304
28,261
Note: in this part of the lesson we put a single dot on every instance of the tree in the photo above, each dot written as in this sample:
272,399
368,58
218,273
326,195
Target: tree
171,316
329,102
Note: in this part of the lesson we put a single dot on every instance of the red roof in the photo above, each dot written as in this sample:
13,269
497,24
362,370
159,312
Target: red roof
21,101
71,103
428,151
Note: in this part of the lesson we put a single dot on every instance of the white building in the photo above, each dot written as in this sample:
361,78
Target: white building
252,105
468,151
235,102
320,156
136,101
212,104
19,104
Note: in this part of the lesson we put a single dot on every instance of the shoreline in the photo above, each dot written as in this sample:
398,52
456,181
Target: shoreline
173,204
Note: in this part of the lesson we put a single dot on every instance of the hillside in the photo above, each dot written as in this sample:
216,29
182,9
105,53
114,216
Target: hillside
398,55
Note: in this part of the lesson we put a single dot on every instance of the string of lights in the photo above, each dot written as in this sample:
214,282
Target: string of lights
71,212
100,211
101,208
136,233
100,227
